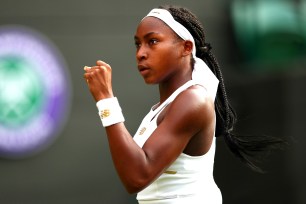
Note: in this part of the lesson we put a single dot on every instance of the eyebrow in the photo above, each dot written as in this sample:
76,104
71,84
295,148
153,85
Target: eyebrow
146,35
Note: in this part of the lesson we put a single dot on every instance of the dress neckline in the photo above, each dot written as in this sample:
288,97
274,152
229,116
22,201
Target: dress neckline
158,107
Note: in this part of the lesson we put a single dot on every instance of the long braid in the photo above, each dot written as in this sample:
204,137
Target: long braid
243,147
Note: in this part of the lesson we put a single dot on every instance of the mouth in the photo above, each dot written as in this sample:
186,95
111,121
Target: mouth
143,69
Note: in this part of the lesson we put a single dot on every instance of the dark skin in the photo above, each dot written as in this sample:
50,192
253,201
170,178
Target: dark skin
184,126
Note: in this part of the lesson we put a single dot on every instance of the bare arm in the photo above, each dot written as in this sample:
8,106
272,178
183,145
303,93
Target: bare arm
138,167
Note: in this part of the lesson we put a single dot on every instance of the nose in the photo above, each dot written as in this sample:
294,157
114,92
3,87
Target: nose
141,53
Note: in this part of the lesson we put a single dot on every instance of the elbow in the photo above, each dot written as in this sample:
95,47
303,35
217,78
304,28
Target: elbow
132,190
134,186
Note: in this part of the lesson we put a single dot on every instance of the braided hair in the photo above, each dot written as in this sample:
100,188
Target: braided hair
243,147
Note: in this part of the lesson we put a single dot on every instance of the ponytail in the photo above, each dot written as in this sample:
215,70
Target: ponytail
243,147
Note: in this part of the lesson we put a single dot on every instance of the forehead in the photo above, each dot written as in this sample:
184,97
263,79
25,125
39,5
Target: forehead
152,24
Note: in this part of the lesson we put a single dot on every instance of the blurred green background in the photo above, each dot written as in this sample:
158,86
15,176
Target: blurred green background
260,46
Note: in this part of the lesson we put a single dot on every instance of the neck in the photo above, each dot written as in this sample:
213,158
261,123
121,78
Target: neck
168,87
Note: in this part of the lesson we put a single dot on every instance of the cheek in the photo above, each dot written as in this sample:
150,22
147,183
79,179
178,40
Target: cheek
169,56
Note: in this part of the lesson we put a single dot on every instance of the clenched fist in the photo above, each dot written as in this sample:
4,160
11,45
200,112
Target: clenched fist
99,80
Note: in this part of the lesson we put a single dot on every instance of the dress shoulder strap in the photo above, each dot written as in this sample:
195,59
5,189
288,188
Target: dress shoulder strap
173,96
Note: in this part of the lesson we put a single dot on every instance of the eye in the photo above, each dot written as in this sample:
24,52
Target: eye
137,44
153,41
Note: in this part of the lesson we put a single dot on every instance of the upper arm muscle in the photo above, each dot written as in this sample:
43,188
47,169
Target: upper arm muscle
187,115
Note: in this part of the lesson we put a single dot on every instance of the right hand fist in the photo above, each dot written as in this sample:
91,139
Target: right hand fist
99,80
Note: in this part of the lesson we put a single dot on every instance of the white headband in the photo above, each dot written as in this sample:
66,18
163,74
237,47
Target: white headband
201,72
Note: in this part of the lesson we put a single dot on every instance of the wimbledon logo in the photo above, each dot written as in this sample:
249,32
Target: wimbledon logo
34,92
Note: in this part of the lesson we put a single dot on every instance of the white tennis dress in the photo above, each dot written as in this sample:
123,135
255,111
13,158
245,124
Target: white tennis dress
189,179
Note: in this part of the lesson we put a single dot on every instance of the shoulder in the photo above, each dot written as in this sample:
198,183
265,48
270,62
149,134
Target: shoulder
193,99
192,108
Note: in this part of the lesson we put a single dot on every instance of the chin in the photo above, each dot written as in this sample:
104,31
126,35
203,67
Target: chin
149,81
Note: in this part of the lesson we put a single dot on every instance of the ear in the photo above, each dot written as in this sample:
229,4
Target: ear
188,46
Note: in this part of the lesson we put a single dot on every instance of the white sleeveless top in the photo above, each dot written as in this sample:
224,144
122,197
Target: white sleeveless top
188,179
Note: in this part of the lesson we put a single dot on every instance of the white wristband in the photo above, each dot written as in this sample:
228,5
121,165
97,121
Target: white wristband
109,111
